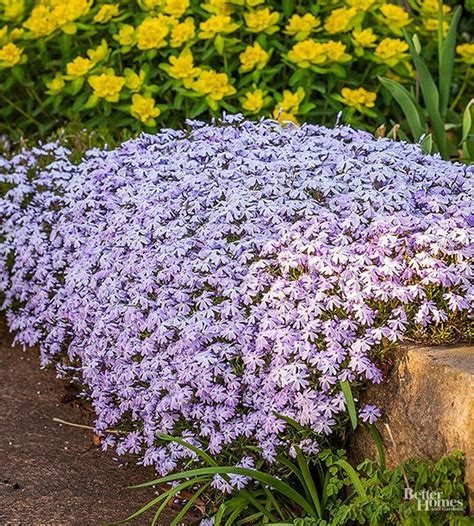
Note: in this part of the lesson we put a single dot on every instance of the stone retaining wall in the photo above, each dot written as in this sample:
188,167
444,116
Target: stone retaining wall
428,402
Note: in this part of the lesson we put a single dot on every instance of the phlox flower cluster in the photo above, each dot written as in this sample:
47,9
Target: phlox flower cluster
200,282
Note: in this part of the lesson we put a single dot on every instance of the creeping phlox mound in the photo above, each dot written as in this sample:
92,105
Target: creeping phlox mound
199,282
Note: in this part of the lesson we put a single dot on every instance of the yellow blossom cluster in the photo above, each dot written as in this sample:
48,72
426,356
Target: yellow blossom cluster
359,98
156,60
310,52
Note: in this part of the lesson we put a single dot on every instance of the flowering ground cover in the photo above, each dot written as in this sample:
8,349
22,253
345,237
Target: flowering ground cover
202,282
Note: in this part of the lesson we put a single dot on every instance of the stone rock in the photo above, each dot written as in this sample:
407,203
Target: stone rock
428,402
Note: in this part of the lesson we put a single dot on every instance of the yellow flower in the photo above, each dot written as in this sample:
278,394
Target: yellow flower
176,8
217,24
361,5
466,52
308,52
79,67
364,38
107,86
148,5
214,85
429,8
126,35
106,13
41,22
99,53
254,101
340,20
183,32
391,51
336,51
143,109
182,68
65,13
133,81
291,101
151,33
10,55
283,117
358,98
16,33
431,24
55,85
394,16
218,7
262,20
253,57
13,9
3,33
302,26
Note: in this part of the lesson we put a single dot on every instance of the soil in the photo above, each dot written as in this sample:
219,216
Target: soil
53,474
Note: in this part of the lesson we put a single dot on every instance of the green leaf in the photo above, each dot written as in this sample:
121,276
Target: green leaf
199,108
446,63
287,7
378,443
430,98
467,141
189,504
91,102
166,495
427,144
219,44
467,121
346,390
290,421
200,452
309,482
264,478
355,479
408,104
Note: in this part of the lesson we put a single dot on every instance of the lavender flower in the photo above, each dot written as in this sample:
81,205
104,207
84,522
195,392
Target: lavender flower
370,413
199,282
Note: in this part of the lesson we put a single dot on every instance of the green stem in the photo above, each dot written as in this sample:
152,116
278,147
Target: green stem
19,110
440,30
461,91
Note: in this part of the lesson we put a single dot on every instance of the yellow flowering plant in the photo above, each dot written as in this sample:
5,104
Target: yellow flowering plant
128,65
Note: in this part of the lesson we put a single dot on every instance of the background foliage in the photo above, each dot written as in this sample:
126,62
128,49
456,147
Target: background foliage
150,63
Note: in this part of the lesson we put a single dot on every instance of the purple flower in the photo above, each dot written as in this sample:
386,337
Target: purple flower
199,282
370,413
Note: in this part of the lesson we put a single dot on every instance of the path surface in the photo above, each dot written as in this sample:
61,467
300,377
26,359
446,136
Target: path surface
52,474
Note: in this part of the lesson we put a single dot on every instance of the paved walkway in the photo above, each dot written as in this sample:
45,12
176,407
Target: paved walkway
52,474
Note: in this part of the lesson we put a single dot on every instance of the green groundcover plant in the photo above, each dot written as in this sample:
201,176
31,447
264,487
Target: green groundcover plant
147,63
317,490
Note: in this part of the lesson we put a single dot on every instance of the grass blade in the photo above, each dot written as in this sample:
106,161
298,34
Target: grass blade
430,97
410,107
290,421
309,482
378,443
235,515
446,62
189,504
347,392
200,452
355,479
254,502
278,485
168,493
